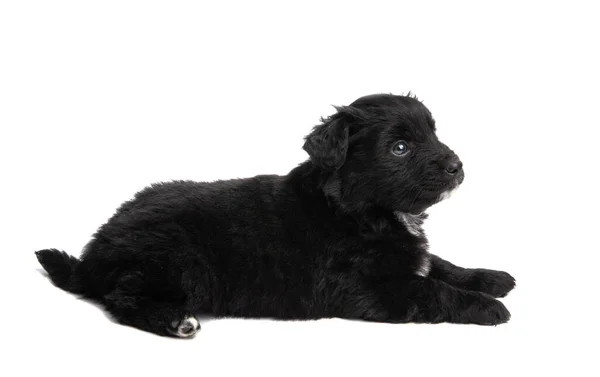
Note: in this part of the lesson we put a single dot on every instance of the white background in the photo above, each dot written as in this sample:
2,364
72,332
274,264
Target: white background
99,99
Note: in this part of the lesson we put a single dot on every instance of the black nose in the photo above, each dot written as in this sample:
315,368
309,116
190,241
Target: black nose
453,165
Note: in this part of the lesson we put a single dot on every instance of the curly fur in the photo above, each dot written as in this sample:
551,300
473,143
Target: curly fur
339,236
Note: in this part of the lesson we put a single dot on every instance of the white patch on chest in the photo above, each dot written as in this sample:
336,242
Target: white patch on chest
412,222
414,225
425,267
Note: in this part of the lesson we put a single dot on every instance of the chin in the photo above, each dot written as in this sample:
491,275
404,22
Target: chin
450,190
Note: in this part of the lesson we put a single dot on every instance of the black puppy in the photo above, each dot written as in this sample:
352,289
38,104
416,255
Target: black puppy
339,236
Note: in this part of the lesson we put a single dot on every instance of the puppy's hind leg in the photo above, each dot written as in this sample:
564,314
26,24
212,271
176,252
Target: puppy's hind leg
132,305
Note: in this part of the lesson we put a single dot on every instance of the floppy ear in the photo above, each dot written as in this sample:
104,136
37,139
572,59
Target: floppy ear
327,144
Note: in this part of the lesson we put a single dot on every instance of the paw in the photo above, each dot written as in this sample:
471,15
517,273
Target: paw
491,312
494,283
185,328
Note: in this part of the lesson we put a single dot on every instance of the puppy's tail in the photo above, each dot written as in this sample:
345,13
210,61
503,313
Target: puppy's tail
61,268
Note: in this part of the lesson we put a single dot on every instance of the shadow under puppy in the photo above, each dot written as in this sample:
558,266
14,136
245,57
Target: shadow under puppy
339,236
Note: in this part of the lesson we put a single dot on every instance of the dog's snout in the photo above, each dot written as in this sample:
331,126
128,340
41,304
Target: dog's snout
452,165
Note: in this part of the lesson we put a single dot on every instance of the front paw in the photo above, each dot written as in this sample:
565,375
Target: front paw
494,283
490,312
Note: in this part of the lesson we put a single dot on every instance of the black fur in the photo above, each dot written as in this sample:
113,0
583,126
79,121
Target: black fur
339,236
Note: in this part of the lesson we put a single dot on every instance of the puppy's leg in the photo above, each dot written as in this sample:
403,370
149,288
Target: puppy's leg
495,283
160,318
131,306
433,301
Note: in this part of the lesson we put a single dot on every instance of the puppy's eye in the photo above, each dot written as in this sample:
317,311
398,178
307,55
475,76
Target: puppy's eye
400,148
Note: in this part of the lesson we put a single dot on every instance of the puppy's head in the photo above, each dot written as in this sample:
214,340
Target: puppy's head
382,151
